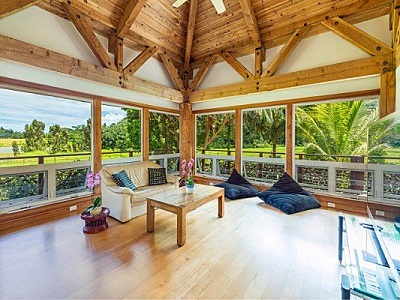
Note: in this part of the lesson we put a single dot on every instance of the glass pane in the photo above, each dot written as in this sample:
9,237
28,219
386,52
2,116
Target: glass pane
70,181
120,132
15,186
164,133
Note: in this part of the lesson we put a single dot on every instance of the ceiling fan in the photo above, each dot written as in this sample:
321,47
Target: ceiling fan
218,4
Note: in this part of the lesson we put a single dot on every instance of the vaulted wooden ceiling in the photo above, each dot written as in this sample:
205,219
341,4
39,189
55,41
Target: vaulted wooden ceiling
159,23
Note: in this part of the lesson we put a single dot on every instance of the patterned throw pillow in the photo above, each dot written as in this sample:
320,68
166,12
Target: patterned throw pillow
122,179
157,176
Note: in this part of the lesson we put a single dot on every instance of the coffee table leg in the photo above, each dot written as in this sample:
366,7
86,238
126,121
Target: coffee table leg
181,227
150,217
221,203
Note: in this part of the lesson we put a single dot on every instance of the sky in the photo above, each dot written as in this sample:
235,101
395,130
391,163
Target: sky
20,108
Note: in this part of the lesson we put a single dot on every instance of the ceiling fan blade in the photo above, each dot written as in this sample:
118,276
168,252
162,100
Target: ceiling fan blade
219,6
178,3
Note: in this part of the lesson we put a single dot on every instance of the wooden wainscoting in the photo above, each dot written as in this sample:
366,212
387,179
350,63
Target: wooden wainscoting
38,215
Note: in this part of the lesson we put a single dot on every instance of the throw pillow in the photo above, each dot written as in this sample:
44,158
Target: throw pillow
157,176
288,184
237,179
122,180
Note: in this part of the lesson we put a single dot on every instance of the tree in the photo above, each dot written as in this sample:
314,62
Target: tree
15,148
134,127
338,128
57,139
34,136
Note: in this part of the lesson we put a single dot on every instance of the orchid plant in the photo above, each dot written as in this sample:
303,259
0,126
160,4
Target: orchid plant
188,174
93,179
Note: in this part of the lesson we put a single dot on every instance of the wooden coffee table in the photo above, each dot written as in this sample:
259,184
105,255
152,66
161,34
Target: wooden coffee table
178,202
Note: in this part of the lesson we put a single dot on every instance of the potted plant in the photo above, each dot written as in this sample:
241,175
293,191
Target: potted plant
93,179
188,176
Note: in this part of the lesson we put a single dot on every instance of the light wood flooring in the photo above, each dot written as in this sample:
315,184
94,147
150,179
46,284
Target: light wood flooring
253,252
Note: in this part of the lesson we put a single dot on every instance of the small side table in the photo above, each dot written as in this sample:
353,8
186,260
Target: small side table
95,224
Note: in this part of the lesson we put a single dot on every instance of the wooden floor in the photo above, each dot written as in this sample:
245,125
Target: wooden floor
253,252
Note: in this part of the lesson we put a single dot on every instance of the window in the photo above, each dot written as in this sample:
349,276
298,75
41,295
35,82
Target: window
120,132
264,144
164,140
44,147
215,143
331,145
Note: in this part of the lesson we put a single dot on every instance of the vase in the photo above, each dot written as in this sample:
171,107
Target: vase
189,188
96,211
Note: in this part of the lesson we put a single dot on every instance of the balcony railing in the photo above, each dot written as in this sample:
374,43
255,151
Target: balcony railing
22,185
354,179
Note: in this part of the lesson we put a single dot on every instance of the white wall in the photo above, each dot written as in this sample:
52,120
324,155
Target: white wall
41,28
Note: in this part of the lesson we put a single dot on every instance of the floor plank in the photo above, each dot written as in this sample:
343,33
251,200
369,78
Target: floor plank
254,252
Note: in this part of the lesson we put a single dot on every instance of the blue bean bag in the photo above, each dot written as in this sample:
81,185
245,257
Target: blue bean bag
236,187
288,196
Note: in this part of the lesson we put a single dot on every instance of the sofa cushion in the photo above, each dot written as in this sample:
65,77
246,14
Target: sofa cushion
122,179
237,179
157,176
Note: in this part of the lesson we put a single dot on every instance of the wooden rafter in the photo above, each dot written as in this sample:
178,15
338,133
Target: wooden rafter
129,15
234,63
172,71
251,22
259,58
357,36
190,33
15,50
78,19
351,69
139,60
201,73
10,7
284,53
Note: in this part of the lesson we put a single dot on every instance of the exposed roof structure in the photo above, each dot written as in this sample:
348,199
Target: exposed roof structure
195,36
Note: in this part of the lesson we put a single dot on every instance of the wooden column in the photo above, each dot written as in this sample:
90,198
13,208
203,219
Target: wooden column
238,140
187,131
146,134
96,139
387,101
289,139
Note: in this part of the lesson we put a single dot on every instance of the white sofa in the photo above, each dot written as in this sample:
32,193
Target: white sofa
125,204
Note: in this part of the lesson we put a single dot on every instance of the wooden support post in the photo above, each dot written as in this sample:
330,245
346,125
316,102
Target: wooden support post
289,139
259,59
119,55
387,102
186,127
146,134
96,140
238,140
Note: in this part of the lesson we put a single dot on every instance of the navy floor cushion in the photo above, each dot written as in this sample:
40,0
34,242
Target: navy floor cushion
288,196
236,187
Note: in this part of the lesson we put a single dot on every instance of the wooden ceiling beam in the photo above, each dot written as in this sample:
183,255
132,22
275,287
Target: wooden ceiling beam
78,19
259,58
356,36
251,22
139,60
190,33
172,71
21,52
202,72
10,7
284,53
234,63
351,69
129,15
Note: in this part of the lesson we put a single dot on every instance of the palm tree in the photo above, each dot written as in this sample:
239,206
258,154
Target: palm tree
338,128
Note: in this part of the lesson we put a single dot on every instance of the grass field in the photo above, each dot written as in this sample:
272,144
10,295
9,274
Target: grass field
8,142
